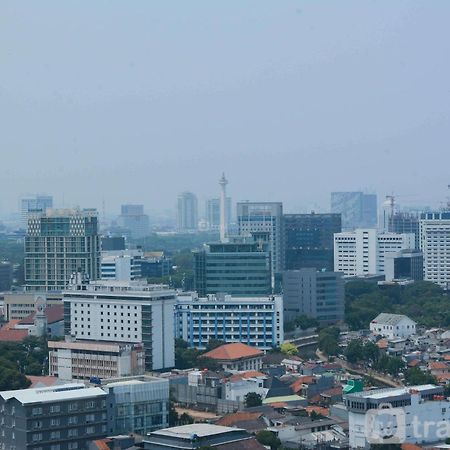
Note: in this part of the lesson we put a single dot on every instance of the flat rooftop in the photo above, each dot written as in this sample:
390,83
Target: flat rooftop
200,429
391,392
72,391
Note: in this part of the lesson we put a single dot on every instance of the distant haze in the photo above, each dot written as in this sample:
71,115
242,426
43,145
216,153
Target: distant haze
137,101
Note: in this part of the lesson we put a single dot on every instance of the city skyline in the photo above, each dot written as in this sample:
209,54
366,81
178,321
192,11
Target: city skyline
192,90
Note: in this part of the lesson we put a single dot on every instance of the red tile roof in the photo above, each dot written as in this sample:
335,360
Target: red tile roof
414,363
298,384
231,419
382,344
332,392
318,410
437,365
41,381
234,351
54,313
9,334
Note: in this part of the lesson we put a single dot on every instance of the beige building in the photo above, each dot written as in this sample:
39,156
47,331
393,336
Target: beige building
84,359
19,305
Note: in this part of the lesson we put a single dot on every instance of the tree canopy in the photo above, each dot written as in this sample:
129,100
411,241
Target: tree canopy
424,302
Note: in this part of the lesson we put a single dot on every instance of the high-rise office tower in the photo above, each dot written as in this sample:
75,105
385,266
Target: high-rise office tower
34,204
435,246
59,243
239,267
132,218
358,210
264,217
187,212
212,208
309,240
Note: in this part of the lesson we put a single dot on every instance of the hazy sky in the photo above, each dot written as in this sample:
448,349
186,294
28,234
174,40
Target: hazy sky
136,101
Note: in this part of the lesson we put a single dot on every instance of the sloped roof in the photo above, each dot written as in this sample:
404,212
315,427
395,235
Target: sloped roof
233,351
9,334
43,381
438,365
54,313
247,375
389,319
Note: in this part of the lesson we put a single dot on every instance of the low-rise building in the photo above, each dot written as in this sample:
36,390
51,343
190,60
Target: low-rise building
236,357
239,385
59,417
256,321
393,326
19,305
87,359
200,435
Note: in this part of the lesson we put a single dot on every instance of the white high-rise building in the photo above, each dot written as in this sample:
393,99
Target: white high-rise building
435,246
115,311
362,252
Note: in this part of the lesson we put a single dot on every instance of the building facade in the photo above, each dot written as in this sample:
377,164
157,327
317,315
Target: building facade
121,265
121,312
34,204
133,219
64,417
212,209
404,265
19,305
256,217
393,326
256,321
187,212
358,210
418,406
137,404
6,275
308,240
84,360
362,252
405,222
435,246
315,294
240,267
59,243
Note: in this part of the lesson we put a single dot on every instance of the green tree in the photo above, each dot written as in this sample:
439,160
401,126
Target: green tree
253,399
289,349
329,340
354,351
185,419
266,437
371,352
415,376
